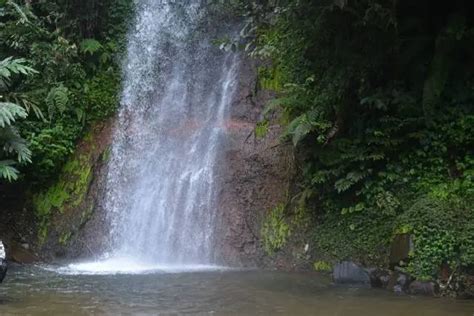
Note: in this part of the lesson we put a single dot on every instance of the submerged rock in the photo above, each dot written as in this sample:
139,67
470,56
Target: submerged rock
3,262
347,272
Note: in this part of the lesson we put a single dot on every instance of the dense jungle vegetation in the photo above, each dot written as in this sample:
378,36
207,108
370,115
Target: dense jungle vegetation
376,96
59,73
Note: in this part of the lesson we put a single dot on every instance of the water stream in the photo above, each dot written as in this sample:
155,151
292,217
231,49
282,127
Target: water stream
161,183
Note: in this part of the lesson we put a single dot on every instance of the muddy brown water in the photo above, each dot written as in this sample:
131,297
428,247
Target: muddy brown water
36,291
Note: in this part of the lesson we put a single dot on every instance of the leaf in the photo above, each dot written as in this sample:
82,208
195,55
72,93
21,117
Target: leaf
57,99
351,178
90,46
14,143
9,66
7,171
299,128
9,112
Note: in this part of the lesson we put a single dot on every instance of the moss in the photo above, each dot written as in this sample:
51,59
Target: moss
106,155
53,198
270,78
65,238
43,231
261,129
69,191
86,215
322,266
275,230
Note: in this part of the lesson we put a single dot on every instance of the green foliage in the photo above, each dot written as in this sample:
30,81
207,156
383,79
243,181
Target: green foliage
275,230
261,129
380,105
69,191
101,94
90,46
270,78
64,238
363,236
57,100
442,230
322,266
9,112
10,66
76,57
74,46
7,171
10,139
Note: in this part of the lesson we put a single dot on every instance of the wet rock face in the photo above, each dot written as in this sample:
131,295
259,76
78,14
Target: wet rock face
254,174
348,272
80,229
3,262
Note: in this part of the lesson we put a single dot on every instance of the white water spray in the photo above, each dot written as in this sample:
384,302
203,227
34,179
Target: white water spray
161,186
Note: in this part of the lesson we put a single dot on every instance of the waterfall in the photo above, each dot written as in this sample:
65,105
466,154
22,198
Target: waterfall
178,86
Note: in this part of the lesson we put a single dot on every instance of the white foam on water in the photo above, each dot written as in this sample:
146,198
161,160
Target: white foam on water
117,265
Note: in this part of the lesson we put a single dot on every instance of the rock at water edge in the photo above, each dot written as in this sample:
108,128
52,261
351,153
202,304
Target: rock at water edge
348,272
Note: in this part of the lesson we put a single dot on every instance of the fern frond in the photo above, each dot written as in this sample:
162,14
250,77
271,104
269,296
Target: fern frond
90,46
7,171
26,101
351,179
19,11
298,129
57,99
10,66
14,143
9,112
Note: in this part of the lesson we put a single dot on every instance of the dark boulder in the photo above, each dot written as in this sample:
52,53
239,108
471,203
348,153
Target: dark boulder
399,282
3,262
379,278
348,272
21,254
465,286
423,288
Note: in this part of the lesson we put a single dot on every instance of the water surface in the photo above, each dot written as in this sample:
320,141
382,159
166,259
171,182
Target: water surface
35,291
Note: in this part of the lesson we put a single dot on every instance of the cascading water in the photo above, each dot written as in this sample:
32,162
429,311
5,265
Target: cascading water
176,94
